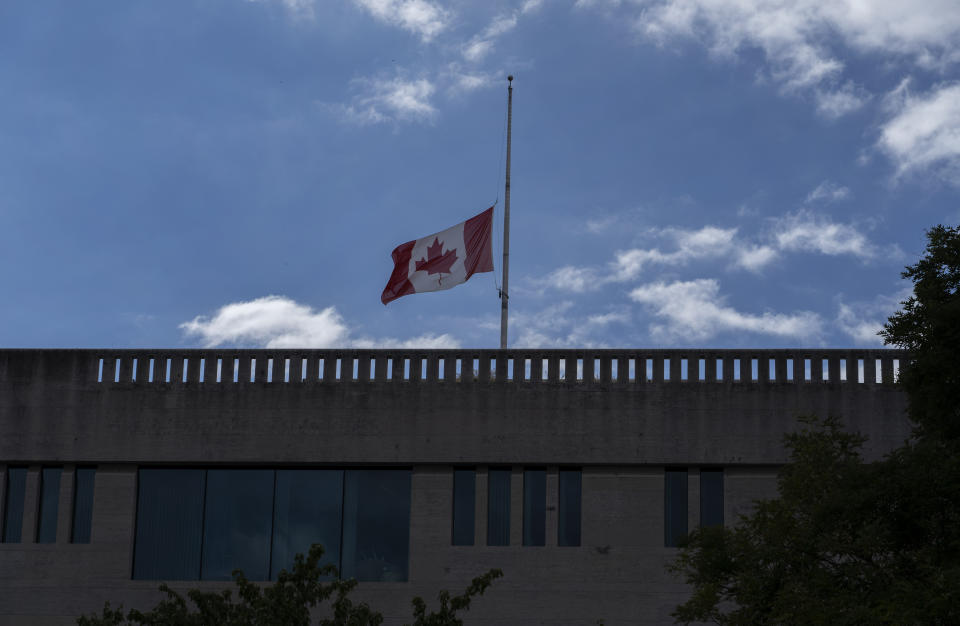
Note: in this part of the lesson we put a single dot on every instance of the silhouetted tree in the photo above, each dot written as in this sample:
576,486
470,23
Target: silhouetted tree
289,601
849,542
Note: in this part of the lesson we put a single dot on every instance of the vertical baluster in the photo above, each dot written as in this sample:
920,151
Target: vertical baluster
313,367
870,368
466,367
193,368
570,366
816,368
675,367
536,367
396,367
363,365
886,369
500,368
606,367
833,367
380,367
853,367
262,367
710,368
483,363
329,366
244,366
553,367
763,368
433,367
658,365
176,369
780,367
209,368
587,358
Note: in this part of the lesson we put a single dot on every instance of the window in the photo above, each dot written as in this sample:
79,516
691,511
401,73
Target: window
169,524
49,503
568,514
711,497
498,507
674,506
202,524
82,504
13,504
308,509
534,507
237,523
376,524
464,506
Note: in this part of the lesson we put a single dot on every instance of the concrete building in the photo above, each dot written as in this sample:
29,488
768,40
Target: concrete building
574,471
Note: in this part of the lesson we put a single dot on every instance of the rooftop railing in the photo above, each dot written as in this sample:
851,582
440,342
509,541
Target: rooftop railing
217,367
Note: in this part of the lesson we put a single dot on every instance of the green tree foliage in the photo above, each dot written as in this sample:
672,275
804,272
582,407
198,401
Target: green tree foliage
450,606
850,542
929,327
286,602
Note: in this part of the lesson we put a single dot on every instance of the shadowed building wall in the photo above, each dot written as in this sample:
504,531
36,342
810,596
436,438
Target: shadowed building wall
621,422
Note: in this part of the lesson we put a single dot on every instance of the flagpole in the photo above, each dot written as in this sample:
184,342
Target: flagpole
504,297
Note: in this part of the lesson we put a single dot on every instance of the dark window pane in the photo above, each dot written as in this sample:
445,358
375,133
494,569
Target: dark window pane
49,501
82,504
169,524
568,515
498,507
675,507
534,507
464,506
376,524
711,497
13,504
237,523
307,510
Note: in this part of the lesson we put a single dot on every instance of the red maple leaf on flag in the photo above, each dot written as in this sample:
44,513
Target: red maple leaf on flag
437,261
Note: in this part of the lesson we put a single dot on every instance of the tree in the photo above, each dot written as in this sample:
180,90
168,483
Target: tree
929,327
286,602
850,542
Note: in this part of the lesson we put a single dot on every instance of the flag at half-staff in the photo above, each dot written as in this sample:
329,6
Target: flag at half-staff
442,260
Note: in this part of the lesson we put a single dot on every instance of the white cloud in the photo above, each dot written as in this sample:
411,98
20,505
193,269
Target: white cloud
279,322
861,321
462,81
481,44
576,279
703,243
862,331
755,258
838,102
709,242
828,191
600,225
557,326
695,311
800,232
426,19
396,99
800,38
807,232
923,134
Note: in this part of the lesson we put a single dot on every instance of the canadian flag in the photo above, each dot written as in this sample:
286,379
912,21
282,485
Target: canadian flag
442,260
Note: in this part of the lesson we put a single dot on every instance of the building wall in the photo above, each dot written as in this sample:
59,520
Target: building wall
66,408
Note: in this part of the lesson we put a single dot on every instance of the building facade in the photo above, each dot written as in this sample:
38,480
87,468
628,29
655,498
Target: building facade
573,471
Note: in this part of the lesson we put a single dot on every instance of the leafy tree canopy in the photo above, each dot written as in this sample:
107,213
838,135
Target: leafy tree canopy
286,602
850,542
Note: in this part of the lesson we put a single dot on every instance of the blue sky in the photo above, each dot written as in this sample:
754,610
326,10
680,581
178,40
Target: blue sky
717,173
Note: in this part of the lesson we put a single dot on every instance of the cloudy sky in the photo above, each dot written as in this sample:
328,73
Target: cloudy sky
685,172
